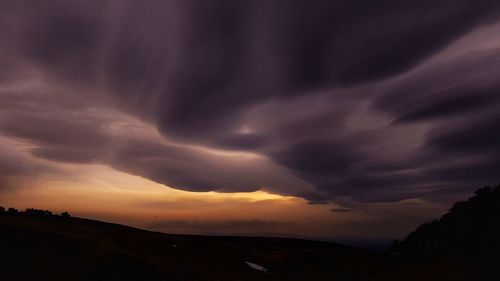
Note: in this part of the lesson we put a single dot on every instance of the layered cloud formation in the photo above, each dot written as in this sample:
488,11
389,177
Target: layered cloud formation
344,101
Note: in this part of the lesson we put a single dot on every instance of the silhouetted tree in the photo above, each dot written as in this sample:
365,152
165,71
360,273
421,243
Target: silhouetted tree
471,226
37,212
2,210
12,211
65,215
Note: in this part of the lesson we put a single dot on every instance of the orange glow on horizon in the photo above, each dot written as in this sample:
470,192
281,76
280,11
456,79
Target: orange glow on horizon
99,192
102,193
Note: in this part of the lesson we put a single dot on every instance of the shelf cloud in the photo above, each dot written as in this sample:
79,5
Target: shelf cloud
331,101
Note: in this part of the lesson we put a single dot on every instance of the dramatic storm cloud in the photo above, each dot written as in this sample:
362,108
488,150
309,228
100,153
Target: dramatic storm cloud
331,101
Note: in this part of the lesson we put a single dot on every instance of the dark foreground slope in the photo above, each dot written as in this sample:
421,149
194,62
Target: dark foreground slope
57,248
36,245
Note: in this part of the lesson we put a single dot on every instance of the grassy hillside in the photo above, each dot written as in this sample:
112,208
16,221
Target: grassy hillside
40,247
37,245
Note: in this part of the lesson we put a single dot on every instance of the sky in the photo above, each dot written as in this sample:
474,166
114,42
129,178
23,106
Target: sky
287,118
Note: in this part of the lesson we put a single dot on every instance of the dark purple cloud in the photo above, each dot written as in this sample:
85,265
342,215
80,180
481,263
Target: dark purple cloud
340,210
17,170
327,100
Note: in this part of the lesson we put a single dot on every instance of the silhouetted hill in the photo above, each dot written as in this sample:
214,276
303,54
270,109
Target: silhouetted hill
38,245
466,240
470,227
